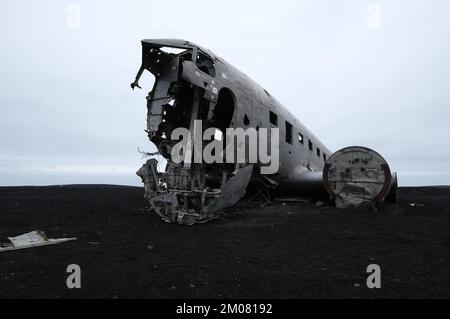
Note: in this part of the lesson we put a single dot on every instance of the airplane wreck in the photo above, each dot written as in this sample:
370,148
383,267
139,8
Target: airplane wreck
199,92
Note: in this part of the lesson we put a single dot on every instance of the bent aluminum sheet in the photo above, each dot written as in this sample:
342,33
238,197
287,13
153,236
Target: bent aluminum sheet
34,238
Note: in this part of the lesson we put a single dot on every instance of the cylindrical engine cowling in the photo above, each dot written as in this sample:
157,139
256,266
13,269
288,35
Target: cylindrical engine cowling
358,173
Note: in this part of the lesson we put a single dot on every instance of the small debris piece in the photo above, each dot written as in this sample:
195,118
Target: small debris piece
34,238
320,203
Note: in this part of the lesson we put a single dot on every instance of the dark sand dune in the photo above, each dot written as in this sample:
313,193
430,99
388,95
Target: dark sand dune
295,250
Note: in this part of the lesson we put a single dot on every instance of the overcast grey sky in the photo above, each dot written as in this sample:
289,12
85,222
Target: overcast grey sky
355,72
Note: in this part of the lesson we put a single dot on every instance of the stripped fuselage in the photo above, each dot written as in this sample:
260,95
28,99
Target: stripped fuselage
192,84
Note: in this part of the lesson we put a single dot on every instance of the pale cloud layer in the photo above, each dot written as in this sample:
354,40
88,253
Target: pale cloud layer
371,73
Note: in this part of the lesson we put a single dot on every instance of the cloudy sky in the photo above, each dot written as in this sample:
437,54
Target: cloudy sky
356,72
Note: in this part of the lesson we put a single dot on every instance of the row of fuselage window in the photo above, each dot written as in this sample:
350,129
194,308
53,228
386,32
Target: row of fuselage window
289,135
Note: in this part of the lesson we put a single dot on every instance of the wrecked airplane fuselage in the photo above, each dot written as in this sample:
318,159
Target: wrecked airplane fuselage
201,93
191,84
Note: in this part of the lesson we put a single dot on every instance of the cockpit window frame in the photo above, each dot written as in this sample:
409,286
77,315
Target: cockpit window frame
207,56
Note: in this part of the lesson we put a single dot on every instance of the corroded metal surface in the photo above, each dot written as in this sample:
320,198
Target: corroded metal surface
356,175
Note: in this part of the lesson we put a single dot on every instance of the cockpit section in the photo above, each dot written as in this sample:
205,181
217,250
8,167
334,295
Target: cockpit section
186,91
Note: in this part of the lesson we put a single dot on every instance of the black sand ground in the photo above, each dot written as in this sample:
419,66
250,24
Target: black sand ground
296,250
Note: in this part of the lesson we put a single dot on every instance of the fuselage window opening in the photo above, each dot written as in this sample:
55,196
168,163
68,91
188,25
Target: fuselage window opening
300,137
318,151
325,157
246,120
205,64
273,118
310,145
288,132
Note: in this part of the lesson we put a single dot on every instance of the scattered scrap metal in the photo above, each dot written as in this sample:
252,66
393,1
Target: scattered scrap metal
34,238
